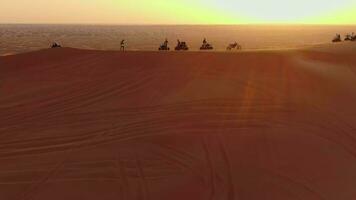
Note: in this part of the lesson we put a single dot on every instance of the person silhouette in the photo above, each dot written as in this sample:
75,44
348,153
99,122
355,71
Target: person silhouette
122,48
55,45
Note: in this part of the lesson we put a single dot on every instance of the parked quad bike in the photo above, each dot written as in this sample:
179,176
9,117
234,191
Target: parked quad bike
206,46
55,45
181,46
337,38
234,46
164,46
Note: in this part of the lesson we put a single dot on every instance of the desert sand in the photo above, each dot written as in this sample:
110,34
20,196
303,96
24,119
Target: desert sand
86,124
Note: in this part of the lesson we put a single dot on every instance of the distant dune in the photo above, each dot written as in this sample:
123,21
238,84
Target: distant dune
20,38
81,124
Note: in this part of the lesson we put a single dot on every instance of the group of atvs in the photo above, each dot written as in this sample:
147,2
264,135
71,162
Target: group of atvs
348,37
182,46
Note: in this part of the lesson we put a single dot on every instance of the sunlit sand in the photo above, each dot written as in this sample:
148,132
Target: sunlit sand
114,125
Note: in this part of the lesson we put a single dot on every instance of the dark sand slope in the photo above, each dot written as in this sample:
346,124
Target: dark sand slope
90,125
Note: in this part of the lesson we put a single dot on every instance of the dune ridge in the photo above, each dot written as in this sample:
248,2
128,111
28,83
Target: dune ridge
190,125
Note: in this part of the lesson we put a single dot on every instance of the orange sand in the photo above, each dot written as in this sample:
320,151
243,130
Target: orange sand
89,125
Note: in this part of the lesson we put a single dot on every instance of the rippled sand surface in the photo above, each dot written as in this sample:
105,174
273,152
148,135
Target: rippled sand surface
88,124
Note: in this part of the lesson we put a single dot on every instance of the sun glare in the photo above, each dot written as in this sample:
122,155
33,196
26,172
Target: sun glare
179,11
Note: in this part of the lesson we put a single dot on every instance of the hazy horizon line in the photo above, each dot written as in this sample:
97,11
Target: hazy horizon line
178,24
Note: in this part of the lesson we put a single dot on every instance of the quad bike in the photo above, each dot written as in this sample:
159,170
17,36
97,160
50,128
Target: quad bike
337,38
352,37
164,46
206,46
233,46
181,46
348,37
55,45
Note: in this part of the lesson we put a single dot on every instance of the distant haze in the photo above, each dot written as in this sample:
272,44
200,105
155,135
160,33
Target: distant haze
178,11
24,38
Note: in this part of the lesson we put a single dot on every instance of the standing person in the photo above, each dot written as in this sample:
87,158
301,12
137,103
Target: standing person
205,44
178,47
122,48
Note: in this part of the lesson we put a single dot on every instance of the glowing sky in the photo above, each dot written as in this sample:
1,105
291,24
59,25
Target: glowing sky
178,11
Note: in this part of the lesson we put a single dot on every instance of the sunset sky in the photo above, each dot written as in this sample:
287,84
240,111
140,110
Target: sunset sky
179,11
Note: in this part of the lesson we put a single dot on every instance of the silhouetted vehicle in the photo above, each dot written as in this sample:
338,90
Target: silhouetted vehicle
164,46
352,37
55,45
181,46
206,45
337,38
234,46
348,37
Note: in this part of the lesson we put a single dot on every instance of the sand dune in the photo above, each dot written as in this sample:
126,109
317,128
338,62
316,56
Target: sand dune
20,38
78,124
